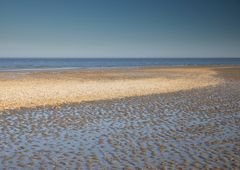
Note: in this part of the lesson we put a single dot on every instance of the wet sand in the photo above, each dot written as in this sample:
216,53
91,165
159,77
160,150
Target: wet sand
196,128
40,88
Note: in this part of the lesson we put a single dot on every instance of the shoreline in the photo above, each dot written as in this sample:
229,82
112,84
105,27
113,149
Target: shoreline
46,69
74,86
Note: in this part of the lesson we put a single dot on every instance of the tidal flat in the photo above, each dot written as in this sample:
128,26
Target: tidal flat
40,88
196,128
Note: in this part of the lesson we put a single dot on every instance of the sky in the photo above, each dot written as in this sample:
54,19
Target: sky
120,28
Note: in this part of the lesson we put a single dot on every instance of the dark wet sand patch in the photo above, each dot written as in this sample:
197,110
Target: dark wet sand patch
229,72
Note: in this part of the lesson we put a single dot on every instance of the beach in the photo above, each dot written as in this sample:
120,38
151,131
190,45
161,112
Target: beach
119,85
121,118
41,88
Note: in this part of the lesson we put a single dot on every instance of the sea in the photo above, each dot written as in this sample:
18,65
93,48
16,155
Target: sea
16,64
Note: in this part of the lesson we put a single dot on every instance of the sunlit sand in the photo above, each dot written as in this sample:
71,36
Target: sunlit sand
39,88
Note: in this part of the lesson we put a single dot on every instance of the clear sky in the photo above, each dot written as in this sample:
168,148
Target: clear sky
119,28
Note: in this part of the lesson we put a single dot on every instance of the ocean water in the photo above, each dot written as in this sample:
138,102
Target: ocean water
71,63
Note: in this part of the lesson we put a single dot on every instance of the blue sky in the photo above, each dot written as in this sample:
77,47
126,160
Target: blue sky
119,28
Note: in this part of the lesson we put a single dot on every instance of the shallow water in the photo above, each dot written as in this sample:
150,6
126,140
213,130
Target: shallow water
191,129
34,64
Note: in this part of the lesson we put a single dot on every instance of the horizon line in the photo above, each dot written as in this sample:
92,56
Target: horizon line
26,57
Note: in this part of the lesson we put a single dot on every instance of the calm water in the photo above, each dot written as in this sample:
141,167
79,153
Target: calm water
47,63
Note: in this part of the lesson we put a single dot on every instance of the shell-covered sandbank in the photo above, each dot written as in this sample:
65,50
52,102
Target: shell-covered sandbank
40,88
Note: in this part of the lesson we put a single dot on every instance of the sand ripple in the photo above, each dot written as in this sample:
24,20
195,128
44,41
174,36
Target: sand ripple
195,129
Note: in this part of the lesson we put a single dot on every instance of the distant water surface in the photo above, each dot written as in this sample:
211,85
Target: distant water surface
71,63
